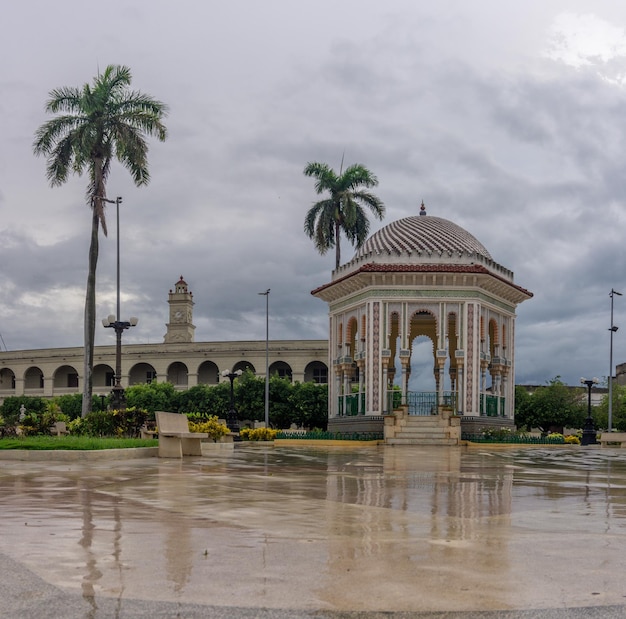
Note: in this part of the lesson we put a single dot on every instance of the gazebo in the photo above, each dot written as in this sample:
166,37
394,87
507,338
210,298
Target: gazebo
422,326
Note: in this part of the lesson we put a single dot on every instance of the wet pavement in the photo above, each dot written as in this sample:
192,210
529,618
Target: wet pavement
281,532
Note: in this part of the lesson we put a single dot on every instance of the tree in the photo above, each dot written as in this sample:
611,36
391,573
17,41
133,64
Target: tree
618,419
551,407
343,210
153,397
95,125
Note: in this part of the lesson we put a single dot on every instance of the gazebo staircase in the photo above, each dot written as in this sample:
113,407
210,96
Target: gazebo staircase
404,429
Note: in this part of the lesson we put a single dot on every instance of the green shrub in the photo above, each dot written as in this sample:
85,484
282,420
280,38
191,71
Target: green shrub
109,423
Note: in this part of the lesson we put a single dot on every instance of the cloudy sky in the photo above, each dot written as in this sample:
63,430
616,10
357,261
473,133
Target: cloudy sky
507,118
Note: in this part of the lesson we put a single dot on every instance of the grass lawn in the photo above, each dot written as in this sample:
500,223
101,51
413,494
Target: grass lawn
74,442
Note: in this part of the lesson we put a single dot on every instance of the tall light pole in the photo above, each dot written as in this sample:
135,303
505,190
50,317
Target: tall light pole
589,431
266,294
612,329
114,322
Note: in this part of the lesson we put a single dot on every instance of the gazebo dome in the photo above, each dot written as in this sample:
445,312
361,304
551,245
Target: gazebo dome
421,236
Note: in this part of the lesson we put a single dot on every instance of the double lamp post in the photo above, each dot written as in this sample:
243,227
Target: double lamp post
118,399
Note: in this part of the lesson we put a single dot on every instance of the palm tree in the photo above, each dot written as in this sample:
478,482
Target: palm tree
97,124
342,210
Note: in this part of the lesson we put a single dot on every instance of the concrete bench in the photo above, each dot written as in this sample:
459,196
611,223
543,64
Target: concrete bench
613,437
175,440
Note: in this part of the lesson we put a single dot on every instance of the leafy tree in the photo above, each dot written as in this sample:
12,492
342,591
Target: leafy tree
71,404
205,399
551,407
309,402
342,210
281,408
618,413
250,396
153,397
523,408
95,125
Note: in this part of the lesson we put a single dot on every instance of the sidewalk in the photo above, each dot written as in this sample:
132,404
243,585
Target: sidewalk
282,532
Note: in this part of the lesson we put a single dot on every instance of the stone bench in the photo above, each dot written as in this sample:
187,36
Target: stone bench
612,437
175,440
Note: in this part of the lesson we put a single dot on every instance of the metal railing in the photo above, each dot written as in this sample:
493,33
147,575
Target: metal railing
492,405
352,404
421,403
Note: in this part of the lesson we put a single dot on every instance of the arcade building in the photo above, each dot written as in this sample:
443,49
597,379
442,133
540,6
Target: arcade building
179,360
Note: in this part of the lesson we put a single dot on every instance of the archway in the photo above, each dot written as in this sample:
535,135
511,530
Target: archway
33,378
316,372
243,366
208,373
281,369
178,374
65,377
103,376
142,374
7,380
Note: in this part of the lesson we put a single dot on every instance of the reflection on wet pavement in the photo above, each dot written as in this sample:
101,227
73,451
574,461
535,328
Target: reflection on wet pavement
382,528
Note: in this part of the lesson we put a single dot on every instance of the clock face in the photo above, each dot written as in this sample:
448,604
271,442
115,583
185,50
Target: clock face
178,315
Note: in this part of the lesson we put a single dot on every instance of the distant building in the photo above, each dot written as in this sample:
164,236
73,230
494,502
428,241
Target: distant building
179,360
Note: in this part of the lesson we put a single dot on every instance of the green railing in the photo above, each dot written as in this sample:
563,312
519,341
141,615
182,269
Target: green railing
333,436
512,439
492,405
349,404
421,403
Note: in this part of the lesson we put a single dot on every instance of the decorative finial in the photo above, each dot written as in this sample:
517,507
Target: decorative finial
422,209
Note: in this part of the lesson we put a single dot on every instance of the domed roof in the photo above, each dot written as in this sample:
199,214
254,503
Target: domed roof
424,236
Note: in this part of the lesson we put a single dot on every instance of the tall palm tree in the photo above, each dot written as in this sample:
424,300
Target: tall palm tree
342,210
95,125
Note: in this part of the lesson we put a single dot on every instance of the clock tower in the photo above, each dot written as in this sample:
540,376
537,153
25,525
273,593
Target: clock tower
179,328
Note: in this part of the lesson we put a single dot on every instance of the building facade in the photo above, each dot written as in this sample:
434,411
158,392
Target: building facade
179,360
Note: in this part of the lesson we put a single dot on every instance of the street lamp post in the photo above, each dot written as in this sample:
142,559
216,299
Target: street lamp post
113,322
266,294
589,431
231,418
612,329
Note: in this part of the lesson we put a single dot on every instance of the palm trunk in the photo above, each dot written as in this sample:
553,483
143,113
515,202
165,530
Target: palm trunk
90,315
337,248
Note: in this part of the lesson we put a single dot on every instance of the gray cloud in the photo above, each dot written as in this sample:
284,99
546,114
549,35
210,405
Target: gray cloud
455,105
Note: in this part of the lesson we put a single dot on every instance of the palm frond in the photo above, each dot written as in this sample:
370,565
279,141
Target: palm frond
343,210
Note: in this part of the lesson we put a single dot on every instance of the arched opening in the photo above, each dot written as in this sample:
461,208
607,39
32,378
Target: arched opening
142,374
208,373
244,366
316,372
7,380
281,369
178,374
103,376
65,378
33,379
421,369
